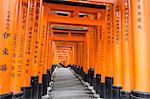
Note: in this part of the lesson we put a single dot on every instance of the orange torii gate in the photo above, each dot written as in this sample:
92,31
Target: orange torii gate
109,41
88,44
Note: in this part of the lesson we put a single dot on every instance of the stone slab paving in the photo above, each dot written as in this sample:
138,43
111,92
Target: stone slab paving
67,86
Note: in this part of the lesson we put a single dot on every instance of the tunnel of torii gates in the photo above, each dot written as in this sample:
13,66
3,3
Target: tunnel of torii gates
108,40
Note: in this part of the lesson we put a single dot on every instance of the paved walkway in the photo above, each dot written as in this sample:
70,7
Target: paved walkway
67,86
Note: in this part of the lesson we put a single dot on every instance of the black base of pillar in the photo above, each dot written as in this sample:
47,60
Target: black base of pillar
78,70
94,83
102,89
27,92
53,68
116,92
40,91
108,86
91,76
6,96
88,76
45,83
18,95
49,75
85,77
125,95
35,86
83,73
140,95
97,82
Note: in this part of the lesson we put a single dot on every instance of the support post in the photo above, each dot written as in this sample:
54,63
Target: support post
104,55
117,68
109,50
141,34
7,27
127,50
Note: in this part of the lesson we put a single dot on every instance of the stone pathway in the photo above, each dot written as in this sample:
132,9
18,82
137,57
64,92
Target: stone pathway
67,86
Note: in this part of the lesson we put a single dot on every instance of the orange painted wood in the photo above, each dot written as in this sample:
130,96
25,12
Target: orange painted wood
91,47
99,45
41,41
80,54
36,34
104,51
75,20
72,8
62,31
50,50
127,47
25,7
16,79
109,40
95,1
99,56
117,68
58,38
7,27
141,34
86,49
27,44
46,49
